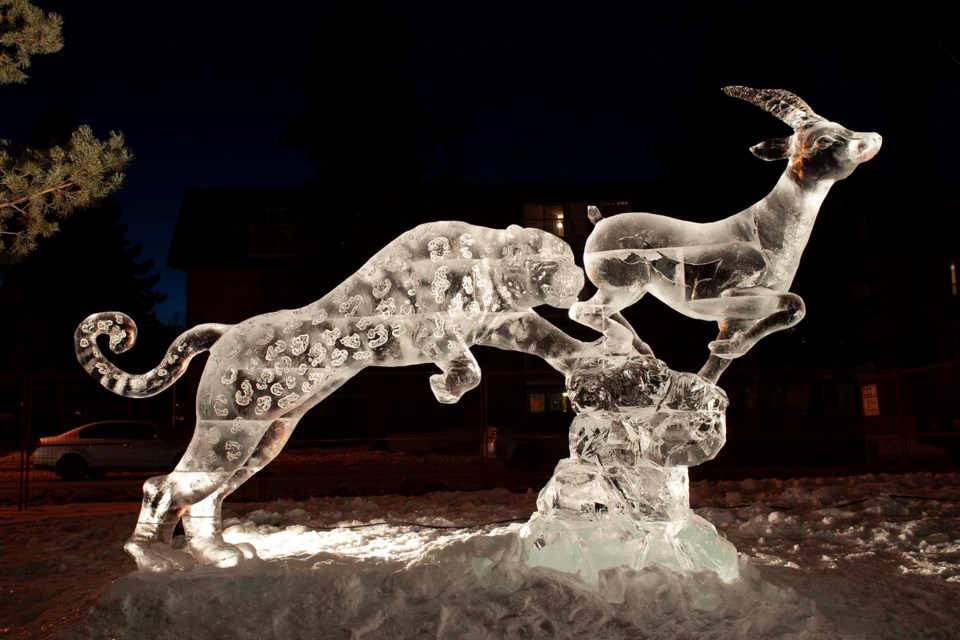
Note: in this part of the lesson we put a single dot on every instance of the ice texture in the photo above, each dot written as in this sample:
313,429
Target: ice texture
635,408
427,297
622,497
736,271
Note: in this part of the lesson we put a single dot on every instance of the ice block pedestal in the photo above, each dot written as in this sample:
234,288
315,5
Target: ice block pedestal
574,531
622,497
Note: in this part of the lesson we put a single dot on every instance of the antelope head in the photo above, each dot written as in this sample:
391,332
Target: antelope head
818,150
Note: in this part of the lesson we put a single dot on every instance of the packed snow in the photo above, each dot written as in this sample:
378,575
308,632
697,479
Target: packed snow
859,557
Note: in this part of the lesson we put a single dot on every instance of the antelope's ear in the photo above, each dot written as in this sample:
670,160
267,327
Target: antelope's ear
775,149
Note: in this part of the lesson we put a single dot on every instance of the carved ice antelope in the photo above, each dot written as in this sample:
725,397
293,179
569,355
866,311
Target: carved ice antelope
736,271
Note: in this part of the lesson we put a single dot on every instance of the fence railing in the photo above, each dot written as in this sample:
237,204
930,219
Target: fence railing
383,431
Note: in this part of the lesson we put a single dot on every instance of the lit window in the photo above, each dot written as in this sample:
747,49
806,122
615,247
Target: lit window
552,402
953,278
537,404
548,217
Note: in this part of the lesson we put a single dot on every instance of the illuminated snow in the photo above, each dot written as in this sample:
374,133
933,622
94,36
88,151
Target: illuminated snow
616,514
863,574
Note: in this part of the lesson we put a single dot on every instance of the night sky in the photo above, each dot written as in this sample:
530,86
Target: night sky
546,94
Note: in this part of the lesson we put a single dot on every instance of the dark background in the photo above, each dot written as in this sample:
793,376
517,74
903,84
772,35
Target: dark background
527,92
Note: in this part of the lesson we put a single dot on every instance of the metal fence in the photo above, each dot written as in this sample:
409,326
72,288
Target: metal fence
912,417
381,431
384,432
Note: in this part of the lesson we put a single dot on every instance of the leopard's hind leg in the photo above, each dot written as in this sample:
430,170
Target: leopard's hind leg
202,522
208,469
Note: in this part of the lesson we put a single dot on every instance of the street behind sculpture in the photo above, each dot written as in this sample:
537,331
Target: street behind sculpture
622,497
736,271
426,297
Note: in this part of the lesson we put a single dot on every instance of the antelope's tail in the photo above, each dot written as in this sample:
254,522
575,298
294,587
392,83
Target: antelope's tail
122,332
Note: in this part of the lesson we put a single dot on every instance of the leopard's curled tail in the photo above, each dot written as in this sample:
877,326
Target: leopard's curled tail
122,332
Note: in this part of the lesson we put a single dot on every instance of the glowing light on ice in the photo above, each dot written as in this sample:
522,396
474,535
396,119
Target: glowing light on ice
622,498
403,543
429,296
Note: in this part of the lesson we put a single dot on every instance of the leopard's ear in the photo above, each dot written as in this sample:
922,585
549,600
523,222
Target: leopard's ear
515,233
535,238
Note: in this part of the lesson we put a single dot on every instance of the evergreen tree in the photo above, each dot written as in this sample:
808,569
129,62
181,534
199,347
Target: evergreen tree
41,187
89,266
27,31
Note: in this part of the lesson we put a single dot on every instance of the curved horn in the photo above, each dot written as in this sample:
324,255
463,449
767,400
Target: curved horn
779,102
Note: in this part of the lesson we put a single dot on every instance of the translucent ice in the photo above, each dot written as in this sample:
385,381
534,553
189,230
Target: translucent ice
428,296
622,498
587,546
634,408
736,271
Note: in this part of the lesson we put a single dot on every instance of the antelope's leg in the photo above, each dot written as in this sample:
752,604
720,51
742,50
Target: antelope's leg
742,306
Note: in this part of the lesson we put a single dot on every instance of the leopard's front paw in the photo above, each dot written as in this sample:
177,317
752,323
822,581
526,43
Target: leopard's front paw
438,384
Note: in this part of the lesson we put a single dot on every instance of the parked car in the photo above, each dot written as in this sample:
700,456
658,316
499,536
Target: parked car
98,448
537,440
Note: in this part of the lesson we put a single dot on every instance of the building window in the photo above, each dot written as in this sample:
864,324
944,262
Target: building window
549,402
549,217
613,207
274,233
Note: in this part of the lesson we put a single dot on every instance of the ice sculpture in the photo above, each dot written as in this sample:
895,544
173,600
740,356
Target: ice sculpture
736,271
426,297
622,498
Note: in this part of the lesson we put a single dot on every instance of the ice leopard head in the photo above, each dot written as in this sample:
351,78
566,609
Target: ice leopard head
540,268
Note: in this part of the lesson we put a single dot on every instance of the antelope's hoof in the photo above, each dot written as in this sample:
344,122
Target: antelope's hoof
732,348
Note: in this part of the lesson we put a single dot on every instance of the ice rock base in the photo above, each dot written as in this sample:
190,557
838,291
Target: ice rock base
589,520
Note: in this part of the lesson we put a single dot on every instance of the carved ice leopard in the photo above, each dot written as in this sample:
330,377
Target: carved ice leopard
426,297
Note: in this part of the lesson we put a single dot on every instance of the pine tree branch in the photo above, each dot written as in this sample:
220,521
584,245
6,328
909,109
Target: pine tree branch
36,194
28,31
38,187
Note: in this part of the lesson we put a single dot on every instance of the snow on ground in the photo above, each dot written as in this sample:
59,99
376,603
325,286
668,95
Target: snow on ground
859,557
